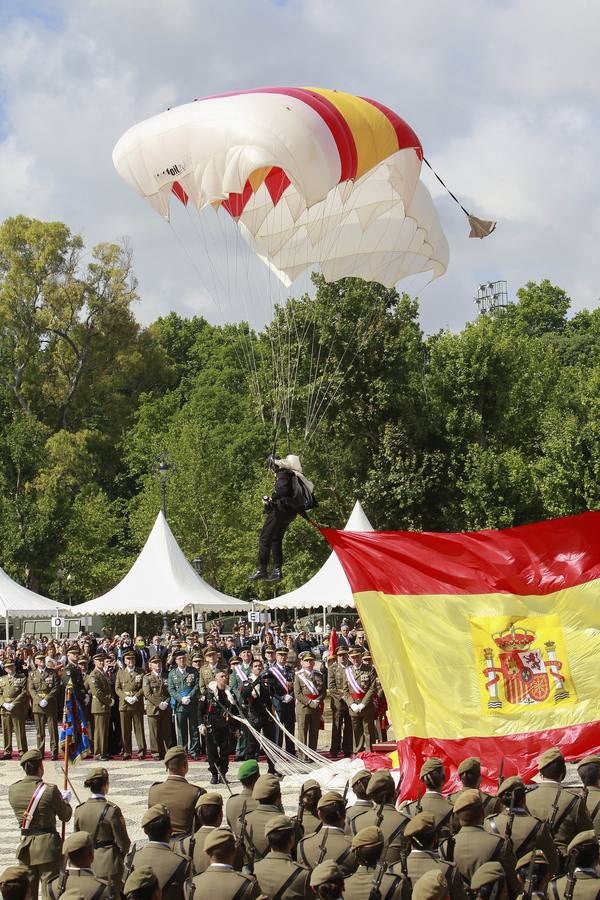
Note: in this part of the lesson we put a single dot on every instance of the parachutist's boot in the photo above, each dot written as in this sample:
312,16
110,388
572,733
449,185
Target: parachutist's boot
274,576
260,573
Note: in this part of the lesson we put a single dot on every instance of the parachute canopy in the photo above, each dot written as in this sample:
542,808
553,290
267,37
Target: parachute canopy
314,178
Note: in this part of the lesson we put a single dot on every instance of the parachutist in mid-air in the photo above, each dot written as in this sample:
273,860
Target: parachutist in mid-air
292,496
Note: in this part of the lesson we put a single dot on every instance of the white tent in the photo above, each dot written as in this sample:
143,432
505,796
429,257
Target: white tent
161,580
18,602
329,587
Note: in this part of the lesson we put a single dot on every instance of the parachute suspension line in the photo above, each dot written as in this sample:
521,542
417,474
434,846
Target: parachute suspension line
480,228
445,186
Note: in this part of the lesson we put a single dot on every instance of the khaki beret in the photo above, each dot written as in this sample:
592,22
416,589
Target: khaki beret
266,787
247,769
324,872
15,873
423,823
525,860
470,764
154,813
584,837
278,823
361,775
470,797
218,837
378,781
430,886
368,837
511,784
99,772
31,756
550,756
486,874
79,840
589,761
172,752
430,765
310,785
330,799
210,798
306,655
140,878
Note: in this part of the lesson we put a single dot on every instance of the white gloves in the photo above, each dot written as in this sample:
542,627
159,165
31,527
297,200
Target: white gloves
313,703
163,705
66,795
361,706
287,698
185,701
354,707
8,706
202,729
43,704
112,701
131,700
87,699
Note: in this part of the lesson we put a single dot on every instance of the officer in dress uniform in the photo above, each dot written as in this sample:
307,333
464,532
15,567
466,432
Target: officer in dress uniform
367,846
278,875
583,857
104,821
283,699
239,675
78,874
102,699
309,691
183,689
220,880
37,806
158,708
330,842
211,666
13,705
248,774
588,770
381,790
433,776
469,772
360,693
43,688
129,690
341,725
176,793
421,833
215,706
170,866
359,782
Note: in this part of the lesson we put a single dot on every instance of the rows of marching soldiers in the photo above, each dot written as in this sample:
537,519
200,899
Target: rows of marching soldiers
524,841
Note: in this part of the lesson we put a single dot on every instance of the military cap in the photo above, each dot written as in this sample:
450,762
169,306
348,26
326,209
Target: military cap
139,878
367,655
324,872
330,799
430,886
310,785
470,764
423,823
40,656
361,775
487,874
11,663
540,857
210,798
511,784
173,752
129,654
430,765
31,756
282,650
197,657
179,653
99,772
266,787
248,768
246,647
15,873
73,649
79,840
584,837
307,654
210,650
218,837
341,649
270,650
154,813
234,659
378,780
100,655
83,659
550,756
355,651
368,837
278,823
470,797
589,761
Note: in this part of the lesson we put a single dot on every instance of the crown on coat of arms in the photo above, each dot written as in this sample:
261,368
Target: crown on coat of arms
514,638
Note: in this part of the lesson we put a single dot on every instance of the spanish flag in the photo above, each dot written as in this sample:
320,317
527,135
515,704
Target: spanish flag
487,643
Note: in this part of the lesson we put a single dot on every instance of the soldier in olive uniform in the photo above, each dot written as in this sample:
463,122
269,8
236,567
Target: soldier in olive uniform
582,857
43,690
563,809
421,833
433,776
381,790
36,806
527,831
72,673
359,781
220,880
469,772
129,690
176,793
367,846
100,688
489,878
211,666
248,774
534,878
158,708
330,842
104,821
170,866
209,815
13,705
327,880
267,793
14,883
341,725
78,874
183,689
278,874
142,884
309,691
307,818
360,693
589,772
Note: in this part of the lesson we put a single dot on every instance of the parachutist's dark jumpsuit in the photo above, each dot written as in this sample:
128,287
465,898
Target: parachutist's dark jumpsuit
278,517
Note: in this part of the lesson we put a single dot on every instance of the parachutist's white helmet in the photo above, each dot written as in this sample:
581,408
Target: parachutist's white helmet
291,462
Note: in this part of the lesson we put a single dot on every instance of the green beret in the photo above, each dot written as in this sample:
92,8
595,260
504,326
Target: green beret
549,756
79,840
278,823
430,765
140,878
430,886
173,752
584,837
15,873
248,768
361,775
99,772
487,874
470,764
326,871
210,798
154,813
525,860
310,785
330,799
31,756
368,837
219,837
423,823
511,784
379,780
267,787
589,761
467,798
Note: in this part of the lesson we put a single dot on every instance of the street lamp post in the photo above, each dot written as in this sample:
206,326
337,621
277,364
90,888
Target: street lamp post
197,564
164,468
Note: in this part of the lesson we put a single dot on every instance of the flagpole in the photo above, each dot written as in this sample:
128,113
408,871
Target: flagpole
68,692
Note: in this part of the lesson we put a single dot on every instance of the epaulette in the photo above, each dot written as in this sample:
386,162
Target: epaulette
154,783
231,796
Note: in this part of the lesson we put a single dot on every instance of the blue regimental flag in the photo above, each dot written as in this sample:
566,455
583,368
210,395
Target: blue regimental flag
74,729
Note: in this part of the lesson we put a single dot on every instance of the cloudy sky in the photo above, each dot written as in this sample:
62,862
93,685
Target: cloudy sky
504,96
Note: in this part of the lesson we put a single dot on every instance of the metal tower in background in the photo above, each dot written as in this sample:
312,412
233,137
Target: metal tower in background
492,296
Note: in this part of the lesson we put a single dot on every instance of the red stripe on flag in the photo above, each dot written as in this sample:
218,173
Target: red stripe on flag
407,139
529,560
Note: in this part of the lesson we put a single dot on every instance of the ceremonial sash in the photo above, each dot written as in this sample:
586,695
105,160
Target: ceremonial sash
33,805
241,674
280,677
308,684
356,690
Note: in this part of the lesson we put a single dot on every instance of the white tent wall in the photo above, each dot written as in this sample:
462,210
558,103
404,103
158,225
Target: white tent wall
18,602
